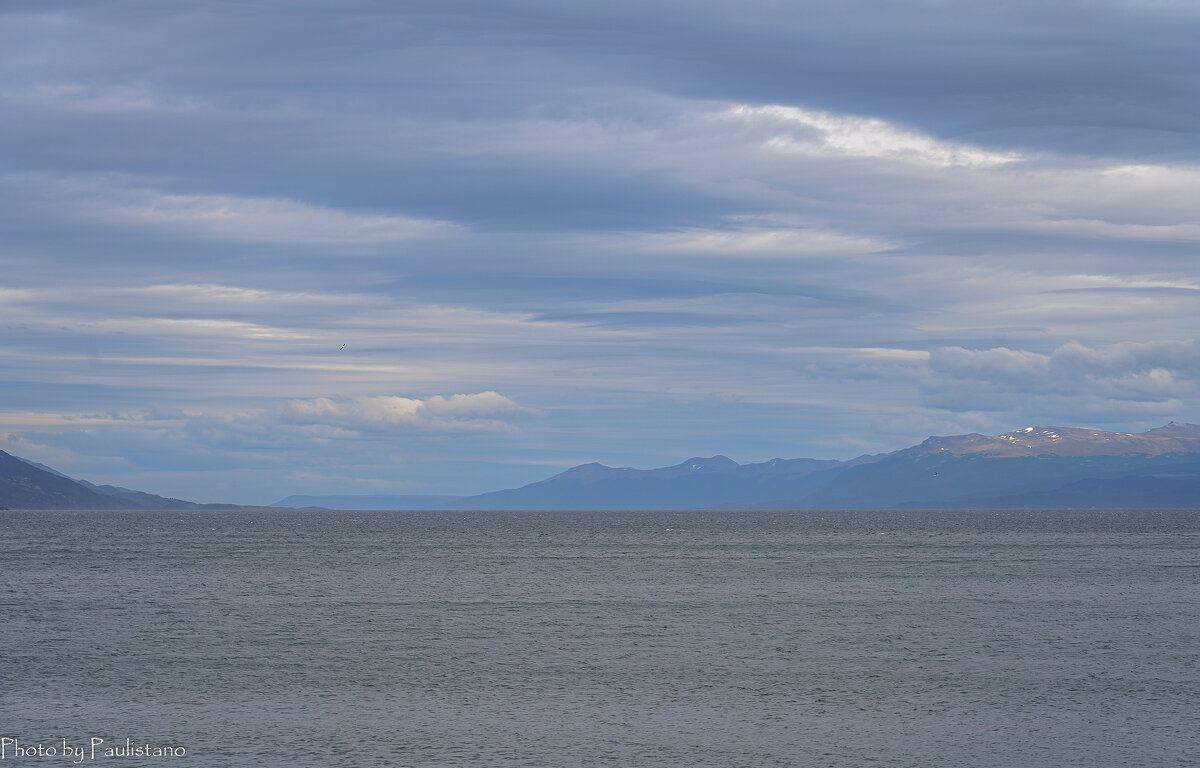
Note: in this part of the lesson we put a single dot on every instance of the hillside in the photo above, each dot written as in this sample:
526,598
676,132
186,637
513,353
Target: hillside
24,486
29,485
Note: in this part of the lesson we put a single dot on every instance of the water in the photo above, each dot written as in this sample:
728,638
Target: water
604,639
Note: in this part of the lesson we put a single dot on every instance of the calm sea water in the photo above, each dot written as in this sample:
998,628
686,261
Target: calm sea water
604,639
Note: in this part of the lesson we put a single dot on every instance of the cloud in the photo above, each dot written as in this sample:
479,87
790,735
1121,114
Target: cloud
482,412
256,220
811,131
1128,380
93,98
223,217
991,364
782,240
1070,361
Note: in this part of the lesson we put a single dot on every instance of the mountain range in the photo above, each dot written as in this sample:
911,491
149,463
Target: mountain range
1031,467
1034,467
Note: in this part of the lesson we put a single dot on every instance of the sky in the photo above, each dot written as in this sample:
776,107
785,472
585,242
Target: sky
549,233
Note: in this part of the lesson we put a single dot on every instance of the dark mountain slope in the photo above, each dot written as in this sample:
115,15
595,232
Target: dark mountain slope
24,486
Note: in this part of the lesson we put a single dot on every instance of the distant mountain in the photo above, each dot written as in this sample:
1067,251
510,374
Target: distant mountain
44,468
1166,490
696,483
1066,441
1037,467
1026,467
142,500
913,480
370,502
26,484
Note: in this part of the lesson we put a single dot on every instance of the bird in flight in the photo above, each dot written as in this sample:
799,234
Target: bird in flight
342,347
